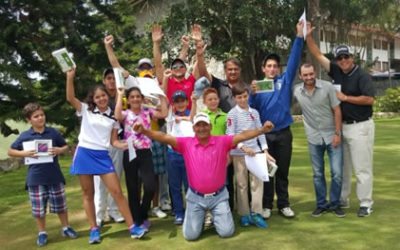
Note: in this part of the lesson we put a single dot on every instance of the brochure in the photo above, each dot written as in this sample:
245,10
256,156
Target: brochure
30,145
265,85
119,78
64,59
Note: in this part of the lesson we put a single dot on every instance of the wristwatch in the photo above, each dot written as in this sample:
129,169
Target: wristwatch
338,133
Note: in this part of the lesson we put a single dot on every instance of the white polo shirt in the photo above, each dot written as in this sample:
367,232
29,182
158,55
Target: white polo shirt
96,128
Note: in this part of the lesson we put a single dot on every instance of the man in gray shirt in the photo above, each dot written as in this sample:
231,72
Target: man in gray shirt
322,122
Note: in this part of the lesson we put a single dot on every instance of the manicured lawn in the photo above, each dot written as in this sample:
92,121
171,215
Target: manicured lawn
379,231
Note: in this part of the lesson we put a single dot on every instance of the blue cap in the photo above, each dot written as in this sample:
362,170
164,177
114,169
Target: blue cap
200,85
178,94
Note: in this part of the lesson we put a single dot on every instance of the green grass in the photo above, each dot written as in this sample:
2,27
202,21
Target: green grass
379,231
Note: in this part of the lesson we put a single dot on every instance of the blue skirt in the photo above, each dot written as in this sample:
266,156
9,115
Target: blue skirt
90,161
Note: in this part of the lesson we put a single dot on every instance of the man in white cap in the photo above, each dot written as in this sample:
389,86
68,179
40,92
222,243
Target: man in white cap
206,160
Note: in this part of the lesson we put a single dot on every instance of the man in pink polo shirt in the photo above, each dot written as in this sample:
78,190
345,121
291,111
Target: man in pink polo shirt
206,161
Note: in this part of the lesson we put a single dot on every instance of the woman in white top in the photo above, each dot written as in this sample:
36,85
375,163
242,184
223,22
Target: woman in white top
91,157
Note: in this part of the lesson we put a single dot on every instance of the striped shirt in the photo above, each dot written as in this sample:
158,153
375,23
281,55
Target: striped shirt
239,120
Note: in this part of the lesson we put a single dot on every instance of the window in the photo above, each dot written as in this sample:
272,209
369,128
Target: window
377,44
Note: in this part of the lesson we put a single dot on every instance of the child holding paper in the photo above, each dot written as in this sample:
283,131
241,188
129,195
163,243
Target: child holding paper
92,156
45,181
179,123
242,118
138,158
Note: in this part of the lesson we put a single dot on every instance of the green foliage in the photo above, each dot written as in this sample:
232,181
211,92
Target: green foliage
390,102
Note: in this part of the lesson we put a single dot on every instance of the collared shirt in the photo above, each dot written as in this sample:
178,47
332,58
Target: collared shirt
226,100
218,121
96,128
355,83
319,119
205,164
240,120
43,173
186,85
140,141
275,106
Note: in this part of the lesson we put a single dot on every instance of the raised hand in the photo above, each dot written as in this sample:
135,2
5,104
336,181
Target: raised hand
109,40
138,127
299,28
156,33
310,29
196,33
254,87
71,73
167,73
185,40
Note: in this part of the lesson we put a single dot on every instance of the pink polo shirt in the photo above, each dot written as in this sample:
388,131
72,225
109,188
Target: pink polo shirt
186,85
205,164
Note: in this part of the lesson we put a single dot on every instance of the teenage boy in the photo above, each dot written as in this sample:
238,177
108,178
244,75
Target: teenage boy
45,181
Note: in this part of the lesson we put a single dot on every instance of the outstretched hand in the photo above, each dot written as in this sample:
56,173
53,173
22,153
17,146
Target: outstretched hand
299,28
185,40
71,73
310,29
267,127
196,33
156,33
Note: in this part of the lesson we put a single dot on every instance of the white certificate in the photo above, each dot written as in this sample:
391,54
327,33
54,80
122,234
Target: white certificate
257,165
32,145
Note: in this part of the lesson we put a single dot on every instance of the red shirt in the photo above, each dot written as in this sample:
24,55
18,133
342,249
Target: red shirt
186,85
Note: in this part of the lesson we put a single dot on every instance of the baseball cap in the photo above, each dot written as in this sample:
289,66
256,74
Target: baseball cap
178,94
107,71
177,60
201,117
144,61
272,56
342,50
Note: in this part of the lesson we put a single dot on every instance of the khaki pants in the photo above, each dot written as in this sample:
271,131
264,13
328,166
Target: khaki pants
242,186
358,143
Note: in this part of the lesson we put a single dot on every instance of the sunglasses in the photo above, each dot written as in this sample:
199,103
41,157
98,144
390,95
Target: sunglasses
339,58
178,66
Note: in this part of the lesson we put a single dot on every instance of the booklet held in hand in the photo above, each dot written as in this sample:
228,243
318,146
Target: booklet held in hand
64,59
265,86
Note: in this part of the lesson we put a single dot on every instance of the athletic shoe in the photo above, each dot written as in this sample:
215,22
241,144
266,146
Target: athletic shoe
266,213
146,225
94,236
245,220
318,212
69,232
116,217
287,212
339,212
156,211
258,220
364,211
178,220
41,239
166,206
137,232
208,220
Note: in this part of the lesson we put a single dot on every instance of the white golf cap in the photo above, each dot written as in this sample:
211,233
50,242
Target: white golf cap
201,117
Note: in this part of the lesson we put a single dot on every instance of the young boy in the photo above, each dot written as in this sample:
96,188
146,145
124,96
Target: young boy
179,115
242,118
45,181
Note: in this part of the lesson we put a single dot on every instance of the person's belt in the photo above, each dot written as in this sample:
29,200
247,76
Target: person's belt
209,194
355,121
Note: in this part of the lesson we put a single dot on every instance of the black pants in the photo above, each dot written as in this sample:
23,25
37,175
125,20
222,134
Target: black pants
279,147
230,185
142,165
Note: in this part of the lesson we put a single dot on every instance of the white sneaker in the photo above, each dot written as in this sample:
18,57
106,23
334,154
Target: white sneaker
266,213
156,211
116,216
287,212
166,206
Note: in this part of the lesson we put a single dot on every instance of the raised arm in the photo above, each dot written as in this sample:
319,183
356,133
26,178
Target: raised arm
157,35
155,135
183,55
248,134
193,109
162,112
166,75
118,105
200,69
108,43
70,91
315,51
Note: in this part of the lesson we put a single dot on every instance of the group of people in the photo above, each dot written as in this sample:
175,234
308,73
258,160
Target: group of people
207,148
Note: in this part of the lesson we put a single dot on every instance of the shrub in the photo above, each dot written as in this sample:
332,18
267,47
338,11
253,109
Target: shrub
390,102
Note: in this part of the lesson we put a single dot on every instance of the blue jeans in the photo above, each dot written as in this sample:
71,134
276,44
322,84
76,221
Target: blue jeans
335,155
176,177
196,207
